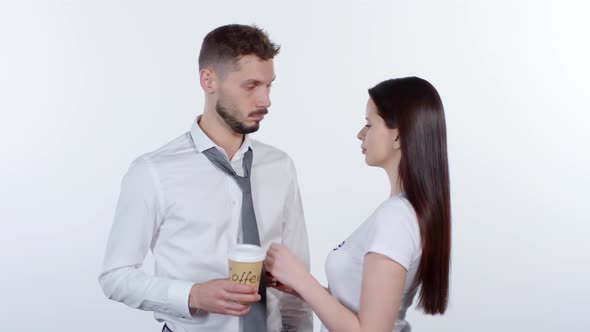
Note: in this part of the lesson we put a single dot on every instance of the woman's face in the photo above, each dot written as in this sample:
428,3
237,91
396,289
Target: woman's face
380,144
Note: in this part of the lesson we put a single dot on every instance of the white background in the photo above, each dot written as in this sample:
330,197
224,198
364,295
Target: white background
86,86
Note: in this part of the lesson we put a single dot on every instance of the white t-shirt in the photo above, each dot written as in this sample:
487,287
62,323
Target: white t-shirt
392,230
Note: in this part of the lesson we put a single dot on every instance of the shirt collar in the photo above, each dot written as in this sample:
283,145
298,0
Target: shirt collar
203,142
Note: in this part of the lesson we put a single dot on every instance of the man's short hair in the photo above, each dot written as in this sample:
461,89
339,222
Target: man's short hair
226,44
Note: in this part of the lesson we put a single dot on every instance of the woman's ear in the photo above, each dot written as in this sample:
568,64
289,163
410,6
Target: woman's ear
396,140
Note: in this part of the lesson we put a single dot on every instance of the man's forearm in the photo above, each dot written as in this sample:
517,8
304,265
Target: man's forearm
131,286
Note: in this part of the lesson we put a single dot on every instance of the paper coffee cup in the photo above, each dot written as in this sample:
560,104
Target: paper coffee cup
245,264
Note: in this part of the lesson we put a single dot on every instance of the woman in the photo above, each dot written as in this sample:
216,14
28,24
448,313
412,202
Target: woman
405,244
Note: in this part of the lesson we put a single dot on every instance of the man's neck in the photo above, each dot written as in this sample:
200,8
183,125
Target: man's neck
220,133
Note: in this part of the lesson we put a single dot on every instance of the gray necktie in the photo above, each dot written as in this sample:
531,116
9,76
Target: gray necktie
255,320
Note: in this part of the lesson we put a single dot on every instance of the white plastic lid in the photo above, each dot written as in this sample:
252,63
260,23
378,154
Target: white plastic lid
246,253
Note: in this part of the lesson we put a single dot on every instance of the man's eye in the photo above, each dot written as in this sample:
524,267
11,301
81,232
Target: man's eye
367,126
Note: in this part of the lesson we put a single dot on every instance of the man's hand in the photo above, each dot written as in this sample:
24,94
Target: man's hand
222,296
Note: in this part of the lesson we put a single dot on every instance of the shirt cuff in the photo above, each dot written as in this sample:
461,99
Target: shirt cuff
178,297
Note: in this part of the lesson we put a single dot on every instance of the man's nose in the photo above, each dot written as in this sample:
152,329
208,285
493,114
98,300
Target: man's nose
263,100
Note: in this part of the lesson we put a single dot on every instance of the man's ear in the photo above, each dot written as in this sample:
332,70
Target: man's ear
208,80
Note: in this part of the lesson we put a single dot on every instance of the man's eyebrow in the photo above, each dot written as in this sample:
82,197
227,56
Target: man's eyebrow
257,82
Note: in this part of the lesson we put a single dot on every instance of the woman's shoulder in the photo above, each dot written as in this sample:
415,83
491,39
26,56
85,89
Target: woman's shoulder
394,231
396,215
396,206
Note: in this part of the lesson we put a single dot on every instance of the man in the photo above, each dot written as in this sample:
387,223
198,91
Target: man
181,203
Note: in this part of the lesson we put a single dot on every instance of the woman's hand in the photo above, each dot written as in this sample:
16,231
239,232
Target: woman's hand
272,282
285,268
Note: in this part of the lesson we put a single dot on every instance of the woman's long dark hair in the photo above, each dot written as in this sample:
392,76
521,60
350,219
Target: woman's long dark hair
413,106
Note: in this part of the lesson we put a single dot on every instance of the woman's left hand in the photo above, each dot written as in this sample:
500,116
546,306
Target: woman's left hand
284,265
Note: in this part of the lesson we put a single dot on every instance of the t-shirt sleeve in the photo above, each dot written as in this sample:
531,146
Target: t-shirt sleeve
394,233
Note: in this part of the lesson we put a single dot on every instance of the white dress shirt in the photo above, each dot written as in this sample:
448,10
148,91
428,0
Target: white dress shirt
175,202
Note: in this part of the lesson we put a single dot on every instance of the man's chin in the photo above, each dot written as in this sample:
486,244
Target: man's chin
252,129
243,129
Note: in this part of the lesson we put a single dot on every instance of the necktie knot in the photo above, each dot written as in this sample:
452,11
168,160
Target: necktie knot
244,184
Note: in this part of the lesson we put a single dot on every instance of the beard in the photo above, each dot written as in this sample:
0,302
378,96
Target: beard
230,115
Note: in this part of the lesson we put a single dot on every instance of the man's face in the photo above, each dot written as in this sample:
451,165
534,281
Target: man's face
244,94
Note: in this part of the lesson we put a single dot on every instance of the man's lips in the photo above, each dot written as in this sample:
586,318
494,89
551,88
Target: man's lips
258,116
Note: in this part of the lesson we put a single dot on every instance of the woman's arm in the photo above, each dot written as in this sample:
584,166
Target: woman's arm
381,292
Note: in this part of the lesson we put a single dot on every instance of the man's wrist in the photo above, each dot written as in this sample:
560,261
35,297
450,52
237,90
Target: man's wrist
193,299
